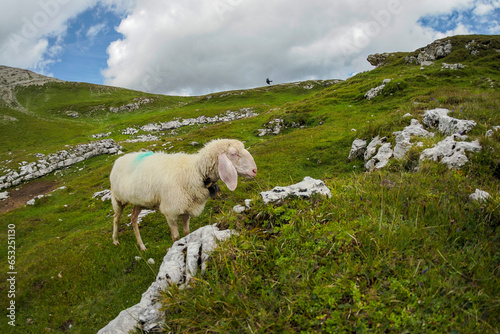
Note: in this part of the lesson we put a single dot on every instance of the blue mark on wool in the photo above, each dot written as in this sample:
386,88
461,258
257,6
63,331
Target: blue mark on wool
143,155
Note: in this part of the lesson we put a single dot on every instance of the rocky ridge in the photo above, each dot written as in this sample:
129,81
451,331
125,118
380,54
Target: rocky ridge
47,164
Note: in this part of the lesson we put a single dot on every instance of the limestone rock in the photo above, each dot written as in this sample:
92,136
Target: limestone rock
179,264
175,124
358,149
438,118
371,149
381,158
403,143
427,55
104,195
52,162
372,93
456,66
490,132
4,195
306,188
378,59
451,151
479,196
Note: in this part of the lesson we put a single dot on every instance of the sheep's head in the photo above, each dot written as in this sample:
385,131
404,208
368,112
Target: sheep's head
236,161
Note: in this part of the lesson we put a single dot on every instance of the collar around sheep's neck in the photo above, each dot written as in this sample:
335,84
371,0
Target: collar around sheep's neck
212,187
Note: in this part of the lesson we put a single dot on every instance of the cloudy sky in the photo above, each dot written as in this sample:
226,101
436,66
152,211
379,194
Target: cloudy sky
194,47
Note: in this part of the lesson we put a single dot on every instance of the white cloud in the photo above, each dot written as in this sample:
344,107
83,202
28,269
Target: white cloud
26,27
96,30
191,47
201,46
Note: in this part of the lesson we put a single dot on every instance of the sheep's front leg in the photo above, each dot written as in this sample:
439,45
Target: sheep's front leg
135,215
118,208
172,223
185,224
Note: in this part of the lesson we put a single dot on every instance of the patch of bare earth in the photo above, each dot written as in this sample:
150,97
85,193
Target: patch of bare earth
19,196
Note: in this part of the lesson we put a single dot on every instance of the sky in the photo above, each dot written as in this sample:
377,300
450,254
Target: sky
196,47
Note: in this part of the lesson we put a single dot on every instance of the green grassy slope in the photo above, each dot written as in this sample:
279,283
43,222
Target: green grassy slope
392,251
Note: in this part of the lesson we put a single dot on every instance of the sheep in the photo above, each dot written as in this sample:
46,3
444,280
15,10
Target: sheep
178,185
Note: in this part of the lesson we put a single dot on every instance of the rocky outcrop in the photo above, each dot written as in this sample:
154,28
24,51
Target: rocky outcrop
372,93
175,124
427,55
306,188
438,118
403,143
10,77
378,59
451,151
47,164
382,156
130,106
182,261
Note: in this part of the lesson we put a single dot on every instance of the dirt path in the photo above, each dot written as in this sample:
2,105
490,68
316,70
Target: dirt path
18,198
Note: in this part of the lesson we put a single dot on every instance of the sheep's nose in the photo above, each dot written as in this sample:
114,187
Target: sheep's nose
254,171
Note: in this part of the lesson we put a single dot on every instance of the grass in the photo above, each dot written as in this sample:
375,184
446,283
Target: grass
394,250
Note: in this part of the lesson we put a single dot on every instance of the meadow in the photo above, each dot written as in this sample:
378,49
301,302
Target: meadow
397,250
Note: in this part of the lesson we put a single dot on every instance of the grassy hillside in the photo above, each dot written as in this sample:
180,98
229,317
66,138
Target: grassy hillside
394,250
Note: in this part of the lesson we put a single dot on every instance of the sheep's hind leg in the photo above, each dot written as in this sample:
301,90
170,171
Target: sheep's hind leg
172,223
185,224
118,208
135,214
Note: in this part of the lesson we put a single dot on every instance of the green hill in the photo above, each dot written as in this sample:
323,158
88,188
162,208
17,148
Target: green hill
398,249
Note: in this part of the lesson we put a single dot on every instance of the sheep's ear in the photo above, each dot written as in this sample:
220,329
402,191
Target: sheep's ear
227,172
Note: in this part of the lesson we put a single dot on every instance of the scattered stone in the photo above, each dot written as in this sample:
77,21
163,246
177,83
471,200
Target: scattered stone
457,66
181,262
101,135
407,115
72,114
151,261
105,195
476,47
403,143
175,124
130,106
130,131
4,195
372,93
55,161
32,201
240,208
358,149
381,158
490,132
438,118
306,188
451,152
142,139
479,196
272,127
141,215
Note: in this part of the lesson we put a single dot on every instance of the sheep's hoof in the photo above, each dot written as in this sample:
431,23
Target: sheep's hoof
142,247
116,242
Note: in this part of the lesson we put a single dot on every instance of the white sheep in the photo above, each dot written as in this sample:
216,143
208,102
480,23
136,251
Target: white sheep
176,184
